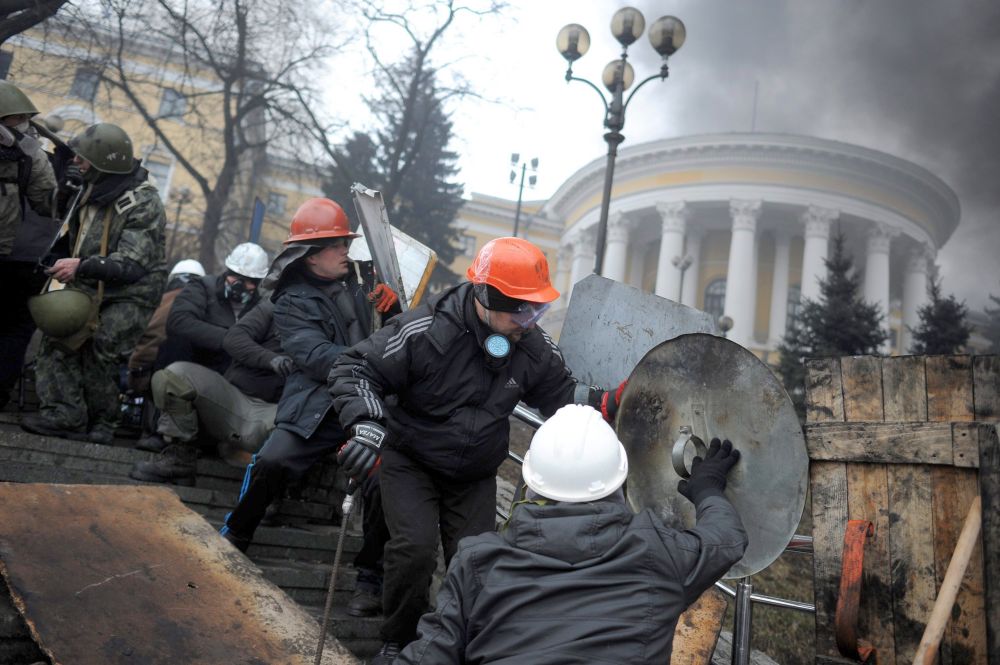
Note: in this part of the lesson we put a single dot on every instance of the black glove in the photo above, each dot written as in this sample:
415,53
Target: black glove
361,452
282,365
708,476
73,176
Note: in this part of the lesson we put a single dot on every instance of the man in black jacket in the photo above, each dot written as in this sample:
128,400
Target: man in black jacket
457,365
322,305
575,576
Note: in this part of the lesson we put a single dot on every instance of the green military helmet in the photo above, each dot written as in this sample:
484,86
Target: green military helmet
60,313
107,147
13,101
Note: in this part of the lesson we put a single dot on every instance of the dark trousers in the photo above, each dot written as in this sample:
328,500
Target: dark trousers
418,507
20,281
284,459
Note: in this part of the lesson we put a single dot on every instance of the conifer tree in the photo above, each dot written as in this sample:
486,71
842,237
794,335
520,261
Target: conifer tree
944,328
839,323
993,325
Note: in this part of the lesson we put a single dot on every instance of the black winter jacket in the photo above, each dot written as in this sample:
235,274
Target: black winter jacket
576,583
199,319
252,343
452,410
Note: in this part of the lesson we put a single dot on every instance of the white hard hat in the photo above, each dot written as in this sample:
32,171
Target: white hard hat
187,267
248,259
575,456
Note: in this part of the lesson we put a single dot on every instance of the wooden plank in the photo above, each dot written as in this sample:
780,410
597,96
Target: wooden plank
829,508
911,550
824,394
965,444
880,443
904,389
868,499
698,629
949,388
986,387
989,490
964,640
861,377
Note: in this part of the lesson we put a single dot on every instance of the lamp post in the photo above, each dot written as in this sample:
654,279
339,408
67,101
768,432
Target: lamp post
682,263
666,36
515,158
183,196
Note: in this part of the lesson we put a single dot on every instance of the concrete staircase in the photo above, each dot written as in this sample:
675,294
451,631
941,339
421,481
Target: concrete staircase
296,553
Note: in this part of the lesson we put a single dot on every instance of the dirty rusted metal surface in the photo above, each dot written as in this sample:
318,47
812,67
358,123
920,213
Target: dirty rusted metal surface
716,388
124,574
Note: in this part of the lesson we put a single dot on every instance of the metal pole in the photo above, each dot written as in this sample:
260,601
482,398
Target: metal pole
520,192
742,622
614,138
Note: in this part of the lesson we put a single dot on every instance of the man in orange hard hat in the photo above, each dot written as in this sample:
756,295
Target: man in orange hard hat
457,366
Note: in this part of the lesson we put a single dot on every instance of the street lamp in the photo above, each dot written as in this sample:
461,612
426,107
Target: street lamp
682,263
515,158
666,36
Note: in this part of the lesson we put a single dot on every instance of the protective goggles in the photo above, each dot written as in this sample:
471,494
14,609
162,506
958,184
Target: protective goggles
528,313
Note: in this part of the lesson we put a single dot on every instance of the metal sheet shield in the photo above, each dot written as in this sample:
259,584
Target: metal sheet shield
122,574
716,388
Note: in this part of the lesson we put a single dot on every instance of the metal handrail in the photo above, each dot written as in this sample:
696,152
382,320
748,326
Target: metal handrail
770,600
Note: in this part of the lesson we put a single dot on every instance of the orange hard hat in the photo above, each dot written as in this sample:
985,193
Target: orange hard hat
319,218
516,268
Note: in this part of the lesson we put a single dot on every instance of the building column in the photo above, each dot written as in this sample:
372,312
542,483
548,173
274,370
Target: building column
673,222
741,292
692,248
778,320
616,249
817,239
914,292
876,287
583,259
564,260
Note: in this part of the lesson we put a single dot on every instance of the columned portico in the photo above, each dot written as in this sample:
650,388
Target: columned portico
779,288
914,293
583,257
564,260
616,250
876,287
817,240
741,292
689,279
673,222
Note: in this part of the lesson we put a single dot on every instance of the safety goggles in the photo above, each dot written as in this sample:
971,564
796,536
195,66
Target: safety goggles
339,242
528,313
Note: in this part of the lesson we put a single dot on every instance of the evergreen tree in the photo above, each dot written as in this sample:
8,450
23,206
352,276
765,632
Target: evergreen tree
944,328
407,159
993,325
839,323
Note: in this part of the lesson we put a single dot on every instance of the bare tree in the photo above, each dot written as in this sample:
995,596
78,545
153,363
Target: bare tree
16,16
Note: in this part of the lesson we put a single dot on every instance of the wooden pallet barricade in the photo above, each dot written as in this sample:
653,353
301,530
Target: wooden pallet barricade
906,443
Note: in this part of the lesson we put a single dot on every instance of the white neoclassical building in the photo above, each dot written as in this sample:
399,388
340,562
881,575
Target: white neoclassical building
753,214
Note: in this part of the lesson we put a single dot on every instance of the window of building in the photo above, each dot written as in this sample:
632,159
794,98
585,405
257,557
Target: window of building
715,298
794,305
172,104
6,58
276,204
159,174
468,244
85,82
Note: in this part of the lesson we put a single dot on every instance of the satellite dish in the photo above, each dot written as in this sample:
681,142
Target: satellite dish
697,386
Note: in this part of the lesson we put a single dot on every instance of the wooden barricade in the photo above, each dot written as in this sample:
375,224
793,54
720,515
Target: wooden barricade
906,443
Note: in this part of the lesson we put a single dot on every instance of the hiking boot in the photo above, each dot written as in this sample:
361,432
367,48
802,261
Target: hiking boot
242,544
154,443
176,465
103,437
364,603
387,654
36,423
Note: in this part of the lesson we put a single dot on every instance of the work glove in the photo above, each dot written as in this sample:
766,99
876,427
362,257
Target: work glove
384,298
359,455
708,476
73,176
611,400
283,366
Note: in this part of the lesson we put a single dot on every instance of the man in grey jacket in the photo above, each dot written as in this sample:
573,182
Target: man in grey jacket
576,576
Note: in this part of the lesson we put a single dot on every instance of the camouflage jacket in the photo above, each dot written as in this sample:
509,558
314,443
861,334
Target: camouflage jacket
39,193
137,233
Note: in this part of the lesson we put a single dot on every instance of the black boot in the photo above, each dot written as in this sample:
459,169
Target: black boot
176,465
387,654
36,423
154,443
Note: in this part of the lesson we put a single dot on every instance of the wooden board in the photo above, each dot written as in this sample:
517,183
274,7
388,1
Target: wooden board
986,387
824,394
911,550
868,499
830,514
904,389
989,490
965,638
949,388
861,378
698,629
879,443
965,444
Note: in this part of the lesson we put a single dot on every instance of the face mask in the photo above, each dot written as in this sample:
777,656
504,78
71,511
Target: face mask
22,127
237,292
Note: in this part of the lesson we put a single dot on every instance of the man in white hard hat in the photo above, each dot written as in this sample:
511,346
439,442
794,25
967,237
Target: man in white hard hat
575,576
